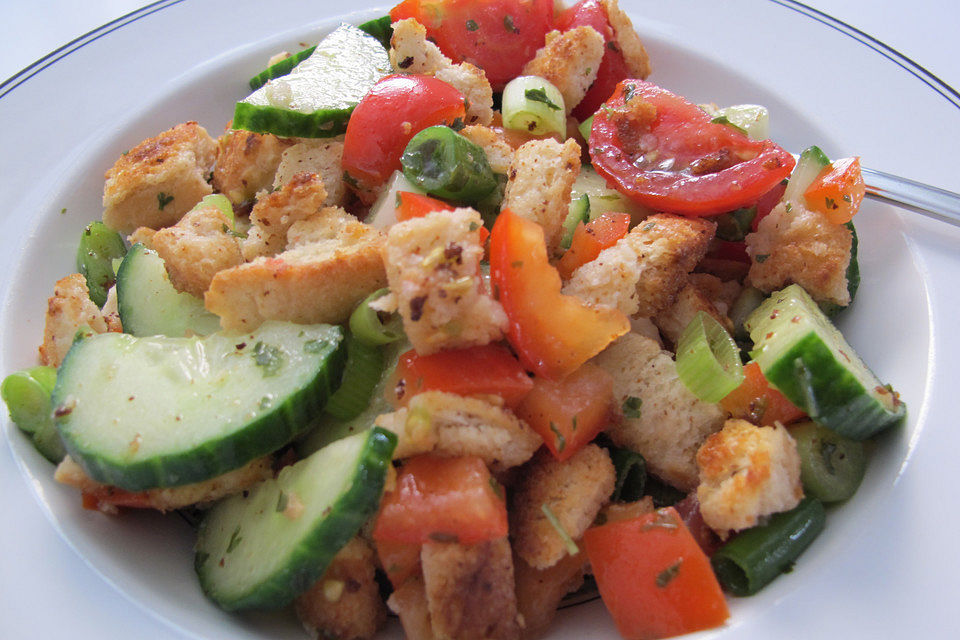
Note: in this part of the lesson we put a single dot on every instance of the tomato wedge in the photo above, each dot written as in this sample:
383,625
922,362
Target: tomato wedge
553,334
488,369
393,111
756,401
499,36
664,152
838,191
592,238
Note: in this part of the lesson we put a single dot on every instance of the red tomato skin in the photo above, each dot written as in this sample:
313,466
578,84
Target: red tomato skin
488,369
592,238
613,67
393,111
569,413
442,499
766,203
629,557
684,133
416,205
478,31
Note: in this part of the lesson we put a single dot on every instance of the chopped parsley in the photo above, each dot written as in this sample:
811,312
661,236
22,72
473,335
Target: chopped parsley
163,199
233,232
268,357
762,258
472,25
666,576
540,95
561,441
234,539
508,24
831,203
631,407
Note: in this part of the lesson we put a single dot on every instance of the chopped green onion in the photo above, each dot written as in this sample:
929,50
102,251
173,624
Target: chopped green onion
360,375
447,165
534,105
568,542
366,325
99,246
708,362
219,201
585,128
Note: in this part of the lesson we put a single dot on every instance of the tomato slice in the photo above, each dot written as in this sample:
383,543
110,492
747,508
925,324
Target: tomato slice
499,36
664,152
592,238
442,500
553,334
757,402
416,205
653,577
488,369
393,111
838,191
613,66
569,413
399,560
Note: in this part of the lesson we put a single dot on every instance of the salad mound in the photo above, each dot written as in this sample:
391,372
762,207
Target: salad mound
460,316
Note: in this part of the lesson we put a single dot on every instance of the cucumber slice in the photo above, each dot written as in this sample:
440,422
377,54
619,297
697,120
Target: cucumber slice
804,356
578,212
149,412
603,199
150,306
832,309
831,466
262,549
316,98
751,119
380,28
383,213
281,68
812,161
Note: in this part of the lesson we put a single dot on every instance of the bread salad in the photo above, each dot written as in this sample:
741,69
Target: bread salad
460,315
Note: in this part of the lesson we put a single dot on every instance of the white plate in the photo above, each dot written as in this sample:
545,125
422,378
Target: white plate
884,565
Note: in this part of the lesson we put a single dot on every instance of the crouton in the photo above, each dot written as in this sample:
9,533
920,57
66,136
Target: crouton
673,422
539,182
108,498
111,310
273,214
332,265
627,40
570,61
197,248
746,473
451,425
794,244
409,602
721,293
498,150
247,163
690,300
573,490
411,52
470,590
142,235
321,156
345,602
645,270
160,179
68,311
433,266
539,591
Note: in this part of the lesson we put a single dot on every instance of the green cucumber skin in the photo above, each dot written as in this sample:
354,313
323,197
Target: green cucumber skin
326,123
280,69
831,309
261,436
307,561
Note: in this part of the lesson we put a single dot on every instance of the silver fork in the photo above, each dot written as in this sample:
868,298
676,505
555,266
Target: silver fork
932,202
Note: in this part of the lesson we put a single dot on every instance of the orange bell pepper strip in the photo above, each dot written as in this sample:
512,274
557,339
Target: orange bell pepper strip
442,500
653,577
569,413
838,191
757,402
592,238
485,370
553,334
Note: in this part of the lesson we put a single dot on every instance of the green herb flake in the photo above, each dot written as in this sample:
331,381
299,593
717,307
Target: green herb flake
631,407
63,211
282,501
762,258
508,24
472,25
568,542
265,402
516,264
232,232
846,198
561,441
268,357
574,423
724,120
649,226
497,489
457,124
666,576
234,539
831,203
789,207
473,226
540,95
350,180
163,199
628,92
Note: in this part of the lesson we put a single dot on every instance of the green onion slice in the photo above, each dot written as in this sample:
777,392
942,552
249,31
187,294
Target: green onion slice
585,128
219,201
366,325
568,542
533,104
360,376
708,362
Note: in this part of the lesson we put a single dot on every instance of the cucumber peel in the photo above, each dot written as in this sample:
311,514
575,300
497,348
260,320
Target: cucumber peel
803,355
316,98
141,413
262,548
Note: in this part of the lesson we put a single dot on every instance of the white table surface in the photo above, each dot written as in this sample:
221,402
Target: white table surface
923,30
